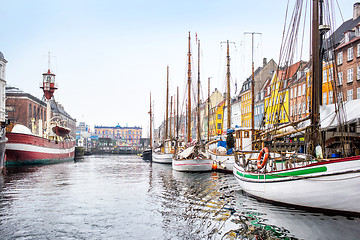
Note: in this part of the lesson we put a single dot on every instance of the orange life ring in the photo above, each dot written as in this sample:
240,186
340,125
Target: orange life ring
260,164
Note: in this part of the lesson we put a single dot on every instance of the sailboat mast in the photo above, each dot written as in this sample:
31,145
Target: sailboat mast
188,125
150,112
316,78
208,110
198,96
167,103
171,102
228,87
177,113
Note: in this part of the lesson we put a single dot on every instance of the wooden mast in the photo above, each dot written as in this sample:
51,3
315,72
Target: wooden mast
316,79
208,111
171,103
228,87
198,97
167,103
188,126
177,113
150,113
174,117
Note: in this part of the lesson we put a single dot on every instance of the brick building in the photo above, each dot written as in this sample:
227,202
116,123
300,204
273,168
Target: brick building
22,107
348,65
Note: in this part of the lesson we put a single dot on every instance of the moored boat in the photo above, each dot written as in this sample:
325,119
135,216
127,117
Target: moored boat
305,178
50,145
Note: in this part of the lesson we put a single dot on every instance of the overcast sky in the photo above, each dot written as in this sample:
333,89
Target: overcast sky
109,54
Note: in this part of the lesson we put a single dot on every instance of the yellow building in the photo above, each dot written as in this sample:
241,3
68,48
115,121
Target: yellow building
277,103
327,84
246,100
216,119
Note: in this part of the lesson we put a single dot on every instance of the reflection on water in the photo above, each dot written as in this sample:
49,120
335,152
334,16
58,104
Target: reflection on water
122,197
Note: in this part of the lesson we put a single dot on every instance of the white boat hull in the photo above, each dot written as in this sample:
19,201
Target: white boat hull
223,162
162,157
192,165
330,185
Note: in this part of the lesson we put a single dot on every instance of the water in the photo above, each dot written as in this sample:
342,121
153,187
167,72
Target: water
123,197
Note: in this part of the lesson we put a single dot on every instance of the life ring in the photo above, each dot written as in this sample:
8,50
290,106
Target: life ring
260,164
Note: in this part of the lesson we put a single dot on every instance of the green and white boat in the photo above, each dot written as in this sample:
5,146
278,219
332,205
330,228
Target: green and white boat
304,179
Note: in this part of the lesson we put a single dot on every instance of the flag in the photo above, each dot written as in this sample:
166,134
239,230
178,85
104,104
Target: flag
196,37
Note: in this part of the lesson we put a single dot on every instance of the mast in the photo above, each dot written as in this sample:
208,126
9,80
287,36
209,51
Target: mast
208,110
198,96
150,113
316,79
252,85
228,86
48,87
167,103
174,118
188,125
177,113
171,102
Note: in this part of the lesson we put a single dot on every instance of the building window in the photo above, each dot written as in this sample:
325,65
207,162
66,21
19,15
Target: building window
291,93
347,37
330,97
340,78
350,52
331,74
324,98
303,107
295,92
358,93
340,58
350,95
304,89
358,72
349,75
358,50
325,76
219,126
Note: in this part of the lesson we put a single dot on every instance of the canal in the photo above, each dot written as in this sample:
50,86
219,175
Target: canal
123,197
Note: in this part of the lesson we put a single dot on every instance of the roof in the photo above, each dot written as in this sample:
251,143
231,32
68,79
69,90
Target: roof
335,38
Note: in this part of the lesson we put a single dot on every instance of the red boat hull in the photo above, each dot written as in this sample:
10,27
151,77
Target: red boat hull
24,149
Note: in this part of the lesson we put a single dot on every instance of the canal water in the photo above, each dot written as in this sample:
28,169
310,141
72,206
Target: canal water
123,197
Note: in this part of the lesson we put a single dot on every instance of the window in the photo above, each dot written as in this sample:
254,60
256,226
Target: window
340,96
358,72
299,108
340,58
347,37
291,93
349,75
295,92
350,52
350,95
340,78
330,97
331,74
358,50
325,76
219,116
303,89
358,93
303,107
324,101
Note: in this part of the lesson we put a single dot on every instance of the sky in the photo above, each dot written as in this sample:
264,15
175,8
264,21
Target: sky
109,54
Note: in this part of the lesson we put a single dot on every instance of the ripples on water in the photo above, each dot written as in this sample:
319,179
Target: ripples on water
122,197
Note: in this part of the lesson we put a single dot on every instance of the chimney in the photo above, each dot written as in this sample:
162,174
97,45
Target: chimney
264,62
356,11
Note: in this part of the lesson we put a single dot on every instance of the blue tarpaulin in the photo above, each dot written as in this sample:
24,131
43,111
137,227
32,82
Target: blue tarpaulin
221,144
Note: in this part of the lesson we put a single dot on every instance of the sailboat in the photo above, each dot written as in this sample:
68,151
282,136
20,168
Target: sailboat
305,180
193,158
164,153
222,161
147,153
51,146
